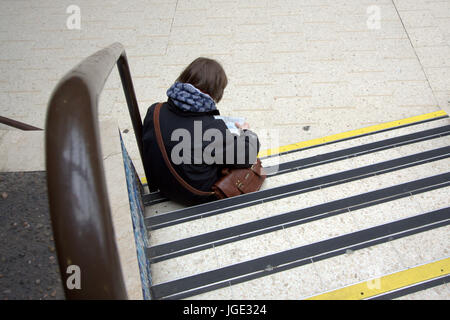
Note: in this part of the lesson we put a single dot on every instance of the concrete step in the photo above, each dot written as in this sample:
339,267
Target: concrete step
160,208
318,275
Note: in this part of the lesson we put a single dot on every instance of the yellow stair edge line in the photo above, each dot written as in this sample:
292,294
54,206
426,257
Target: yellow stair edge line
347,134
352,133
389,282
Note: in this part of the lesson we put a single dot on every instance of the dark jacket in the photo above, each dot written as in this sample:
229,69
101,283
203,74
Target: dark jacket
202,175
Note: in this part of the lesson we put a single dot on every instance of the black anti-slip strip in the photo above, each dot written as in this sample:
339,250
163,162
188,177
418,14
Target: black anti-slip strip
359,150
153,198
354,137
412,289
290,166
251,229
270,270
281,261
245,200
350,138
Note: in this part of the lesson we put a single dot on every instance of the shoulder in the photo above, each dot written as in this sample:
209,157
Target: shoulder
149,115
152,108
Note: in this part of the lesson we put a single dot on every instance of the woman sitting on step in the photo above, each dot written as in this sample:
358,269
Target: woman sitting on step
197,144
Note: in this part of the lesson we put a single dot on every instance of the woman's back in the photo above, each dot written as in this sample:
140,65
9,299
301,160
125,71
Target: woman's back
201,176
197,144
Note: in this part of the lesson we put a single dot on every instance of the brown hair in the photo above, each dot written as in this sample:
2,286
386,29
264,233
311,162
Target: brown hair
207,75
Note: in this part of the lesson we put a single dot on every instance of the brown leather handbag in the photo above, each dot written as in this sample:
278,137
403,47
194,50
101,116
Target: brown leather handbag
233,182
238,181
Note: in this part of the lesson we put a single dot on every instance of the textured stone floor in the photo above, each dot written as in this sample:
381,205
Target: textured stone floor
28,265
302,68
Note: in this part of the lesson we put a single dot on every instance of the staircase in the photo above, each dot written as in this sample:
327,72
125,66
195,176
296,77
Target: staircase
361,214
358,215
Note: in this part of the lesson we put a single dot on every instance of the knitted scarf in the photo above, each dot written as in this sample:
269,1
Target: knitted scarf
188,98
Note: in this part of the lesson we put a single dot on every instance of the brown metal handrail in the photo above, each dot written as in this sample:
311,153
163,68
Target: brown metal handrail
78,199
17,124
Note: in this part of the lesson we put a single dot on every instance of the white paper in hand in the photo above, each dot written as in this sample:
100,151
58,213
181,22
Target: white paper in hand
230,123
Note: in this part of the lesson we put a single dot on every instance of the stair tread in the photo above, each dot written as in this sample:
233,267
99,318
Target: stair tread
303,281
318,251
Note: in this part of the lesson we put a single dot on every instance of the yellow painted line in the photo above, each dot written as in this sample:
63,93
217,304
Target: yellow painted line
347,134
389,282
352,133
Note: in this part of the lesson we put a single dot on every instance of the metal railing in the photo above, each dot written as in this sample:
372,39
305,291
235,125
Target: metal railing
79,205
17,124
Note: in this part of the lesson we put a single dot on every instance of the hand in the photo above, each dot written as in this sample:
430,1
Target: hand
243,126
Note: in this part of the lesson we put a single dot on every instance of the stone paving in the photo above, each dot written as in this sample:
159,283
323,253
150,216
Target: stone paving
28,264
304,68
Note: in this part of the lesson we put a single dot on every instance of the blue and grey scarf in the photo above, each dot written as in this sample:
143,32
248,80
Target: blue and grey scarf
188,98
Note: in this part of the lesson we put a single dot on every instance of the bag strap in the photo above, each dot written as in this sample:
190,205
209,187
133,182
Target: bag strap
162,148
